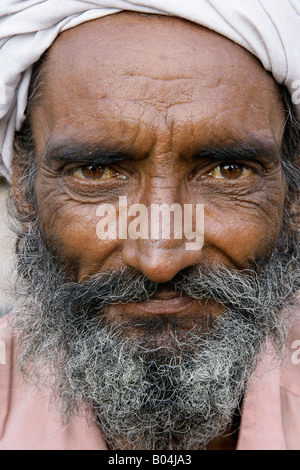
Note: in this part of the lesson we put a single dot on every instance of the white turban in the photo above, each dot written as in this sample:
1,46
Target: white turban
269,29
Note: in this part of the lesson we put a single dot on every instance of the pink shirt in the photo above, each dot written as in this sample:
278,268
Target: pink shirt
270,415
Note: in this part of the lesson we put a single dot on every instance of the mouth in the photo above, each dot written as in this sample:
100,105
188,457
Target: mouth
164,303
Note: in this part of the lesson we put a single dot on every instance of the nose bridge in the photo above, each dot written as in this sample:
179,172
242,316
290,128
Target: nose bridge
162,249
162,200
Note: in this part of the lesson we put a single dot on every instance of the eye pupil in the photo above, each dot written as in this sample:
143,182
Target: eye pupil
231,170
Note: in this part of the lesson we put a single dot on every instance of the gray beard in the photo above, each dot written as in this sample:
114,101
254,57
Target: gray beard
177,394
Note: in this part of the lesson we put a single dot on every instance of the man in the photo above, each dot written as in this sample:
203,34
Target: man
152,344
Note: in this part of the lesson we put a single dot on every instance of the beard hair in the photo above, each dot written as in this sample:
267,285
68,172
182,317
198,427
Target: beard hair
180,395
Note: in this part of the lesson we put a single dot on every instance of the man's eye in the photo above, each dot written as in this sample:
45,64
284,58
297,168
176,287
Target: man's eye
231,171
94,172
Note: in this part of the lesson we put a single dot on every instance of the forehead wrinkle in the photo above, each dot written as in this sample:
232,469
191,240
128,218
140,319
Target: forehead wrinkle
178,32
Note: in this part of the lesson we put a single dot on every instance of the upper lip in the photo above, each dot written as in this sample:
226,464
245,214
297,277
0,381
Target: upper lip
165,295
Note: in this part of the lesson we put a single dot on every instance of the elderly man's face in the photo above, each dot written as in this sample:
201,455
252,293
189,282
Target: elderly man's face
161,111
160,94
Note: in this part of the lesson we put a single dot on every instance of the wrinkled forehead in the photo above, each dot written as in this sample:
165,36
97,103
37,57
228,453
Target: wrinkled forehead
145,38
159,61
140,43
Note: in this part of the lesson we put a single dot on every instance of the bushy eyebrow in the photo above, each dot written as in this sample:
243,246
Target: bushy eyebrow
265,152
85,154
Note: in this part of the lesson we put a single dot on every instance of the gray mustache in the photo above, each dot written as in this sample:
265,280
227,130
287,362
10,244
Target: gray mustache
226,287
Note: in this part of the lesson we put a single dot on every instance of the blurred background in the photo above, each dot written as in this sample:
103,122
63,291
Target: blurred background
7,241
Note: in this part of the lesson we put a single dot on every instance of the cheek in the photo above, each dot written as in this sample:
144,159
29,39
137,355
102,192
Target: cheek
243,230
238,239
70,230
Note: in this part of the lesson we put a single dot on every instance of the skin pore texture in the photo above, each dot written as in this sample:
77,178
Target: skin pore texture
181,115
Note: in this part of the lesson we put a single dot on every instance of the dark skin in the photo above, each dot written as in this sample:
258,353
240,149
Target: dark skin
144,108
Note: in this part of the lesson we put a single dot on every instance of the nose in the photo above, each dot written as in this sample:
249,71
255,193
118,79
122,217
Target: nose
159,261
163,246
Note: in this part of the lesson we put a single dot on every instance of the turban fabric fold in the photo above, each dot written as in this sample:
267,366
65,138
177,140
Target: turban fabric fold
269,29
